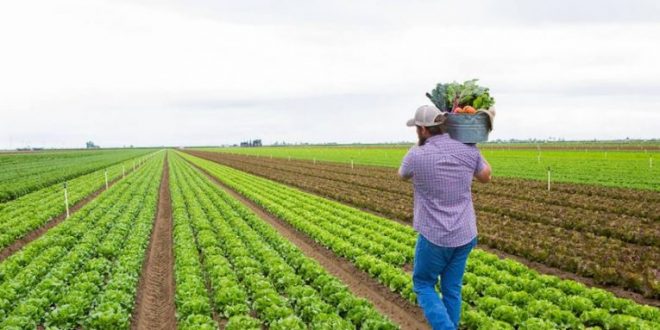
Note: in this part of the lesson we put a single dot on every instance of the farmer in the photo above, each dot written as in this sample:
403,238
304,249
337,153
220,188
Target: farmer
442,170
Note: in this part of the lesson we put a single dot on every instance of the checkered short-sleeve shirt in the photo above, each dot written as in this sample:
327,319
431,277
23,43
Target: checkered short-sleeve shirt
442,171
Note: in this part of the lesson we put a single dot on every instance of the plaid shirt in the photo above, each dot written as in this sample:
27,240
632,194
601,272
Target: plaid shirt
442,171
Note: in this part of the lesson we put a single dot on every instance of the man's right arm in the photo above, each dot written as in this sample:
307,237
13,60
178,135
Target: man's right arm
483,170
406,168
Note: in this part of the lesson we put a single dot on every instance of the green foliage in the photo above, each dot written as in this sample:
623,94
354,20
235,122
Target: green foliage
66,278
243,322
446,97
27,212
250,268
22,174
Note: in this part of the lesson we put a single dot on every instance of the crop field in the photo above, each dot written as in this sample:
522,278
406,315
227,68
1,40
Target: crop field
210,239
629,167
23,173
610,235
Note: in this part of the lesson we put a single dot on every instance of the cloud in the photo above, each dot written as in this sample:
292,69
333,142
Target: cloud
213,72
381,15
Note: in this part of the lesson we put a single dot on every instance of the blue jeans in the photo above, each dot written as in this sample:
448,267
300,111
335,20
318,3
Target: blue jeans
448,263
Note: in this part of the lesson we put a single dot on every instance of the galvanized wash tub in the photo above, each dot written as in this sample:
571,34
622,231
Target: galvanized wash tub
468,128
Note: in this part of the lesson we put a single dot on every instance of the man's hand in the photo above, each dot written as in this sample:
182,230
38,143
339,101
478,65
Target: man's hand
484,176
404,176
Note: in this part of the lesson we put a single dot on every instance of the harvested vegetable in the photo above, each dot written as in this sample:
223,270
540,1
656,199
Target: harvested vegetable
468,97
469,109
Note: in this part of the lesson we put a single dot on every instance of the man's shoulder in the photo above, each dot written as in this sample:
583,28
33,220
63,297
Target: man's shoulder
414,150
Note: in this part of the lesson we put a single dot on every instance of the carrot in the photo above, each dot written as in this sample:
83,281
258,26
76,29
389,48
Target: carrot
469,109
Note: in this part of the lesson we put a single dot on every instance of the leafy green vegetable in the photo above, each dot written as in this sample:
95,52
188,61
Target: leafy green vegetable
243,322
535,323
483,101
596,317
439,97
447,97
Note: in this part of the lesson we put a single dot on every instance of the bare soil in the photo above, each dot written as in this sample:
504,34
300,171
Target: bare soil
397,309
154,308
33,235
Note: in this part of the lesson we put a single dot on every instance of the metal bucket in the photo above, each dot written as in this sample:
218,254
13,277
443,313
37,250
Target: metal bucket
468,128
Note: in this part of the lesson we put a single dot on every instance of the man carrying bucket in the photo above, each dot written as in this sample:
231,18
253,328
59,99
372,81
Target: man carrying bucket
442,170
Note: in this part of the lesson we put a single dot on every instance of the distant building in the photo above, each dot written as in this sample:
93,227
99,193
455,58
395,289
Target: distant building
91,145
252,143
28,148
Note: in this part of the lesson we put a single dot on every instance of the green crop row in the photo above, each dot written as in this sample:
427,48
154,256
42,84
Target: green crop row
21,174
20,216
537,301
629,169
225,252
84,271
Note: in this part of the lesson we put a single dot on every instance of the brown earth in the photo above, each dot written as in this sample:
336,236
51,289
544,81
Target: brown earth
154,308
390,304
33,235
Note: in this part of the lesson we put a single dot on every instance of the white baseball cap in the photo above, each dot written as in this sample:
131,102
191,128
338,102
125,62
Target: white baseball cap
425,116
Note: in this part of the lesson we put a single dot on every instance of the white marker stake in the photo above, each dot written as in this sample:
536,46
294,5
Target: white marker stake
106,179
289,158
66,200
314,161
352,164
548,179
123,171
271,156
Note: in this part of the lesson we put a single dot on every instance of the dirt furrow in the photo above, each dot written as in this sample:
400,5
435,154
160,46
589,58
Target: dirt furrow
407,315
154,308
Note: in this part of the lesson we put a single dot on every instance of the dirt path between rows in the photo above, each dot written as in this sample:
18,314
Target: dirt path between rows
33,235
154,307
390,304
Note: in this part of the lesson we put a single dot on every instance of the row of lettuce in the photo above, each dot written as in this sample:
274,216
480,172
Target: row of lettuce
21,174
84,272
498,293
233,268
24,214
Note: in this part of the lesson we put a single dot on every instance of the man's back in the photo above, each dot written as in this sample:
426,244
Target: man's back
442,171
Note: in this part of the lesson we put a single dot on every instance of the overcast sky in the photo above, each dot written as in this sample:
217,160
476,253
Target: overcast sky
209,72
